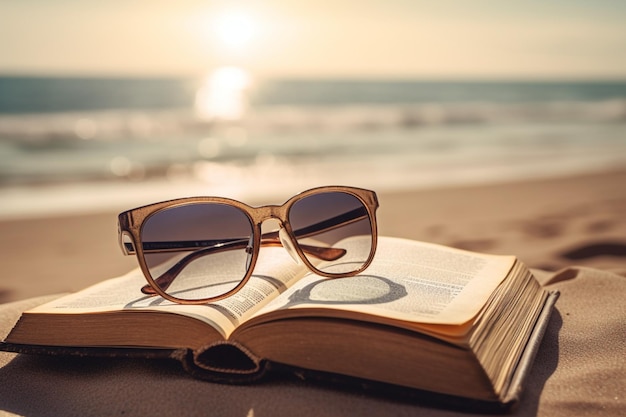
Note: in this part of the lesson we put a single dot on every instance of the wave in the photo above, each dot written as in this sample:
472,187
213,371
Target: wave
435,114
177,123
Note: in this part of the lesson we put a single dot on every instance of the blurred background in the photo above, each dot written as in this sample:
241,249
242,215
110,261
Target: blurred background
108,105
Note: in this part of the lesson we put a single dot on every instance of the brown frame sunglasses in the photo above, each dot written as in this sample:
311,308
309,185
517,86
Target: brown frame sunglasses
131,224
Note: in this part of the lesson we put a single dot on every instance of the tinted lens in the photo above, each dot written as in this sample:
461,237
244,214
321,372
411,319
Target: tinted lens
197,251
333,220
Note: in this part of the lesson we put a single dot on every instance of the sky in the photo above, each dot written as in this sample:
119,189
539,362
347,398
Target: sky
484,39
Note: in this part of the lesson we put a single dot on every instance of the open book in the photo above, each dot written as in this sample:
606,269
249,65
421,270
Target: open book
422,316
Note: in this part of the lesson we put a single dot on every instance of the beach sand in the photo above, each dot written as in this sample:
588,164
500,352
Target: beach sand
549,224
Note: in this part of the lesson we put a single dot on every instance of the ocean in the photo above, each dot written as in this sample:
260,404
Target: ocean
75,144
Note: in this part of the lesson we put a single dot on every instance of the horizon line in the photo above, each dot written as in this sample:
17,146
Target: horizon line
487,78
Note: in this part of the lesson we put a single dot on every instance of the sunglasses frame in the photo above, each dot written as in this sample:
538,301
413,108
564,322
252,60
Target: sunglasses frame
130,225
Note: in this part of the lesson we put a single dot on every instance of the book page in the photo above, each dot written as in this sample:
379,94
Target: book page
274,273
409,281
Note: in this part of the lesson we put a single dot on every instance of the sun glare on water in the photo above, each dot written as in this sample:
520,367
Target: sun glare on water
223,94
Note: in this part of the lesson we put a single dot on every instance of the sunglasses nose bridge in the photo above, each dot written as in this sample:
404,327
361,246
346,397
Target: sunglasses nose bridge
278,214
271,212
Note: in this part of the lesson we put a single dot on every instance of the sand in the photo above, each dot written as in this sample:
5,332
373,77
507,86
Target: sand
549,224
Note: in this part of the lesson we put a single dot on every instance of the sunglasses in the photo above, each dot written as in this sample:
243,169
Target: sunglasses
202,249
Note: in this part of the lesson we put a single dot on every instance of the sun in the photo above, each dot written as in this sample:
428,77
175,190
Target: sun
234,29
